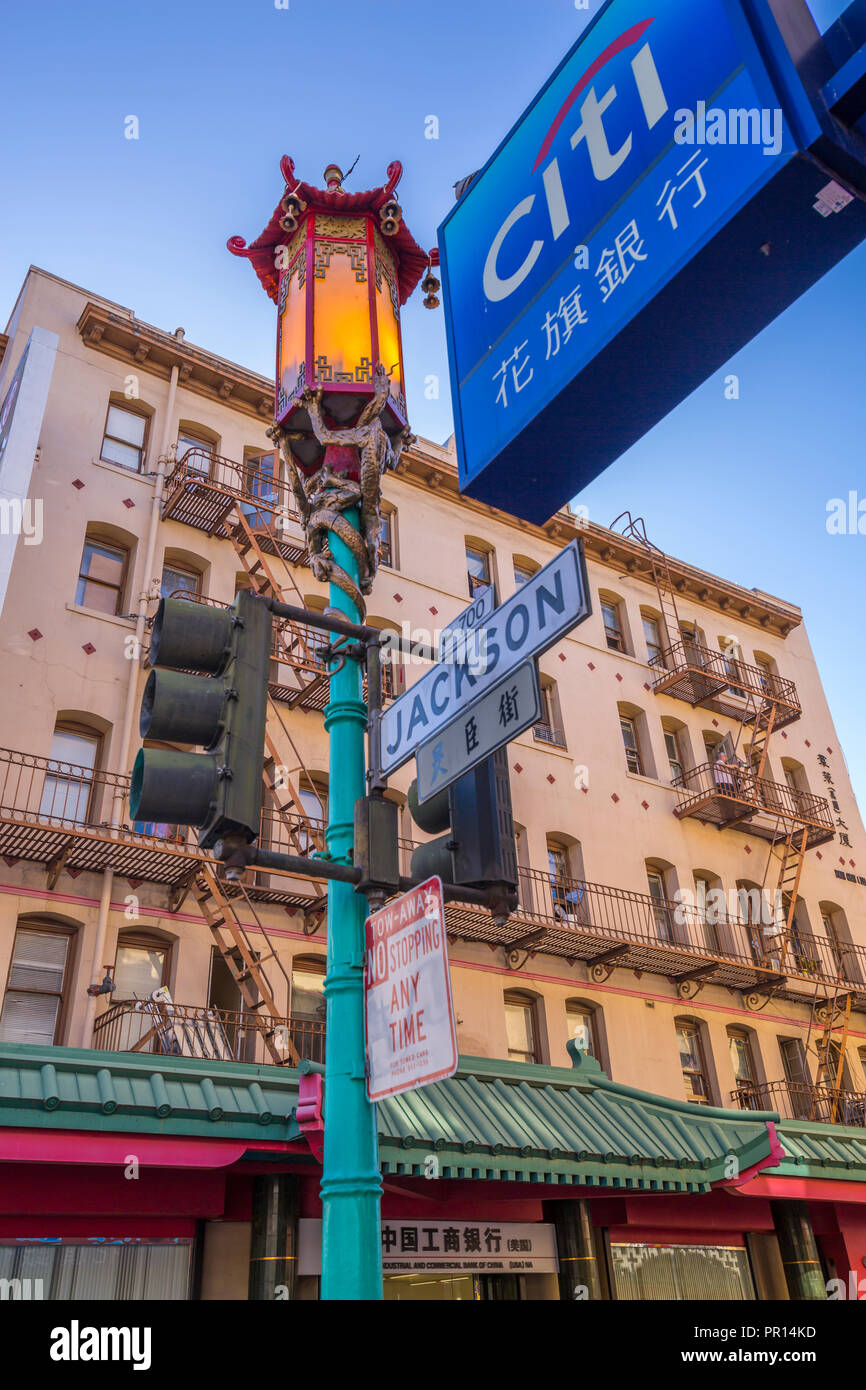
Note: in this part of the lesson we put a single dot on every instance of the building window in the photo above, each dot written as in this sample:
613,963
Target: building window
140,967
633,759
707,911
743,1067
67,790
201,460
388,540
101,576
661,911
692,1063
613,632
179,582
521,1028
675,761
653,635
547,729
566,892
581,1027
33,1002
478,570
523,573
125,438
259,483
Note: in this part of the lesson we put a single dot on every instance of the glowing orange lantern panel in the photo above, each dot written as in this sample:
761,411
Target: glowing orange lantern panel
339,266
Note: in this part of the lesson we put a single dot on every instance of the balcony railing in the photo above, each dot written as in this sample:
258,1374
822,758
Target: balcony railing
49,808
724,792
543,733
692,672
804,1101
184,1030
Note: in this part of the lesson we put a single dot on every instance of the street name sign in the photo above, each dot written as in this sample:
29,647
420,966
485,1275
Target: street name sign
411,1036
505,711
686,173
455,639
547,606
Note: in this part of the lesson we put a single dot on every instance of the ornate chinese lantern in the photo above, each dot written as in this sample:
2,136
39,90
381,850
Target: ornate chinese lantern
339,266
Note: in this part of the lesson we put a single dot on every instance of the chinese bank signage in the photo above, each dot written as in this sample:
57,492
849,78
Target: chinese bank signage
659,126
474,1247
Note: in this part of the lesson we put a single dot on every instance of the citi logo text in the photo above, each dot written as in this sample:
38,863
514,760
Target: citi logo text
591,132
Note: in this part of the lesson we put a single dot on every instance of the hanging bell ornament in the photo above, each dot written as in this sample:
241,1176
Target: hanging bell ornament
390,217
430,284
431,301
292,206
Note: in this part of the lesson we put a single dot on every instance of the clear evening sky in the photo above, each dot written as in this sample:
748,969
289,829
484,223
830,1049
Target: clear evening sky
221,90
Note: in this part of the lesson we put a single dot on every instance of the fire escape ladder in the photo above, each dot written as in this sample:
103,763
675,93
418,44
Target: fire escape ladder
292,639
263,581
245,964
788,850
635,529
831,1069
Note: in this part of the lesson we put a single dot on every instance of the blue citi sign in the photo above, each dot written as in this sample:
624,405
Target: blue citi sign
660,125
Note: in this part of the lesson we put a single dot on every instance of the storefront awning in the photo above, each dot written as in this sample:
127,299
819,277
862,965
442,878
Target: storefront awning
493,1120
535,1124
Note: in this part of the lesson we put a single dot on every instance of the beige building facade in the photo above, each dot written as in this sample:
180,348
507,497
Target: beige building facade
673,772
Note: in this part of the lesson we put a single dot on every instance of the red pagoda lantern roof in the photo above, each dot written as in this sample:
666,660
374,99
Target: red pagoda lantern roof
411,260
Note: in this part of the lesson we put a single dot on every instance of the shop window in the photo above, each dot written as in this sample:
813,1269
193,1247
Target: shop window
521,1027
124,439
692,1062
708,1272
178,582
68,787
72,1269
101,576
37,986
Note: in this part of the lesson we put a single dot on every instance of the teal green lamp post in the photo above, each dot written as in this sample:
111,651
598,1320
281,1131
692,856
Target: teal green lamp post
339,266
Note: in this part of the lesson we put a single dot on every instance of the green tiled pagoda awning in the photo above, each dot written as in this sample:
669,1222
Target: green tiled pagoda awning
814,1150
513,1121
492,1120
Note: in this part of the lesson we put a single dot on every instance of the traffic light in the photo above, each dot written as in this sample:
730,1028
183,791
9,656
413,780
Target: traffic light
479,850
224,711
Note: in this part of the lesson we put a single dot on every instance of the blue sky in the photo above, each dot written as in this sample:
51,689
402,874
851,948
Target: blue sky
221,90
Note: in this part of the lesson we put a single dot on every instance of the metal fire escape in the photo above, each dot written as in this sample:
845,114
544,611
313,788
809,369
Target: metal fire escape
733,790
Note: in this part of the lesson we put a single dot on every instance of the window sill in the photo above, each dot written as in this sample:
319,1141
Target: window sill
145,478
115,618
652,781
